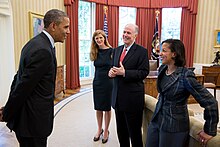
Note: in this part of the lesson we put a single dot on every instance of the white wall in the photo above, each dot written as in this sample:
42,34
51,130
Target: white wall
207,21
7,63
198,67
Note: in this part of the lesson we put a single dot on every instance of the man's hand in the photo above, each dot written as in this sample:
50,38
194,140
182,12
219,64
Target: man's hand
119,70
111,73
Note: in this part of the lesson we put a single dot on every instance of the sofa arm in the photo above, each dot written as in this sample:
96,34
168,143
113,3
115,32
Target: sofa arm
150,103
195,127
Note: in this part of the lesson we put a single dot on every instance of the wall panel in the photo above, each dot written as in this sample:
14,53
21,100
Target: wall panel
20,9
208,20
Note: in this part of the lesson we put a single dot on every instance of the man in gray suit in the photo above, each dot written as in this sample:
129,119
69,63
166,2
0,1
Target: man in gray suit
130,68
30,103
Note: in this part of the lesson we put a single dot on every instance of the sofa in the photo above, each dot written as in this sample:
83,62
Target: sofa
195,125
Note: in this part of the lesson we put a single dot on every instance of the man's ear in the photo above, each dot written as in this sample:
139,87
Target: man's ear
135,35
52,26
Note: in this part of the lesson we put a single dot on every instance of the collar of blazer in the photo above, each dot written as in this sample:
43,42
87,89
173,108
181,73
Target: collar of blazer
175,76
46,38
43,35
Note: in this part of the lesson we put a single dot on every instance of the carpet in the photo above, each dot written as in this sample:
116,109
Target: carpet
75,123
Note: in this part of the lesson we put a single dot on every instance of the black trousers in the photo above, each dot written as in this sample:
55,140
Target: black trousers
32,141
129,128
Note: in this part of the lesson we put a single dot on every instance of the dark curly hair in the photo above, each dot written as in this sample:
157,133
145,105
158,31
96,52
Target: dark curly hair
176,46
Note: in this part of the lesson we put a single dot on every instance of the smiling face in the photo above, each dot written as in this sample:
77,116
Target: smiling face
166,55
129,35
100,40
61,30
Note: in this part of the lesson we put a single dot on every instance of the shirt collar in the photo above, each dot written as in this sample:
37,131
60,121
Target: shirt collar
50,38
128,47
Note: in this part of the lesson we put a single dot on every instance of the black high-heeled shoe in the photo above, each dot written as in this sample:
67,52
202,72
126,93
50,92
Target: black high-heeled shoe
97,138
105,140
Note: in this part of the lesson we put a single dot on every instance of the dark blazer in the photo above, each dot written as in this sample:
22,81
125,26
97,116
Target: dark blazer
128,91
173,101
29,109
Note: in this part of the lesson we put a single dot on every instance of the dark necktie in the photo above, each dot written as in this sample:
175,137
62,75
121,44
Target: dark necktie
123,55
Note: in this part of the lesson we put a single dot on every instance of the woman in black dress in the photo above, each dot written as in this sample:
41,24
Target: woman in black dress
101,54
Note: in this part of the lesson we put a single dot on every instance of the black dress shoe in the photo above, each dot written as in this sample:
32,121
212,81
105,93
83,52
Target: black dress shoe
97,138
105,140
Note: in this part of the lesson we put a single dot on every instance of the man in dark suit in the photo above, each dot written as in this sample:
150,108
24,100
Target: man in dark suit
29,109
130,68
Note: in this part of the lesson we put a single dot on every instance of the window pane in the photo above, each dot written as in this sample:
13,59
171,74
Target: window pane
84,20
126,15
85,34
171,19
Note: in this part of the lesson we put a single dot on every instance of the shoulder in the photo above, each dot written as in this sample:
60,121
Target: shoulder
117,49
111,49
163,66
139,46
37,45
187,73
121,46
41,40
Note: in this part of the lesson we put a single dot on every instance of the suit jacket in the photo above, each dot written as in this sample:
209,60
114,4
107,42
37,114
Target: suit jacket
128,91
173,97
29,109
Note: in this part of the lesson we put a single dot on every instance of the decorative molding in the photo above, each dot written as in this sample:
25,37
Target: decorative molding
5,7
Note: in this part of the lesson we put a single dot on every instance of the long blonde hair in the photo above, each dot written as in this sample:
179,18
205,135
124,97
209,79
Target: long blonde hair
94,46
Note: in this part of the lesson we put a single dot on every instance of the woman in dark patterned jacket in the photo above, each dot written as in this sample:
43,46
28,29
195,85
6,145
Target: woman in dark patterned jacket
169,126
